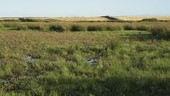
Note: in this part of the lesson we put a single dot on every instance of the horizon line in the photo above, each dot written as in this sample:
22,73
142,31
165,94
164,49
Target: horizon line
82,16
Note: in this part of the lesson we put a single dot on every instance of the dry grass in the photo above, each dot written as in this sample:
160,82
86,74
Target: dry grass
138,18
127,18
9,18
63,18
81,19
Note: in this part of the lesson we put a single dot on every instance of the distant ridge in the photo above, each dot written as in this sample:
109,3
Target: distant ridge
84,19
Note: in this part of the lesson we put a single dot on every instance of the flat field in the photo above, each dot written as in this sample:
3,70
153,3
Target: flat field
102,18
84,58
138,18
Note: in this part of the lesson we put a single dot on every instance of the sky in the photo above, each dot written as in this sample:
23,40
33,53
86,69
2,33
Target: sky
83,8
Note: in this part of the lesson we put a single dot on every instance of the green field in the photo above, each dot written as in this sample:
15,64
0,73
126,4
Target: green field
84,58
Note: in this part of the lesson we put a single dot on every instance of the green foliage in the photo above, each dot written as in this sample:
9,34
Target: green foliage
26,19
142,28
81,26
129,27
62,64
160,31
113,28
22,27
78,28
57,28
1,26
34,27
95,28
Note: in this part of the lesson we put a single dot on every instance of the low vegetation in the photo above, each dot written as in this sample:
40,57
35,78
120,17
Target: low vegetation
85,59
160,31
78,28
150,19
57,28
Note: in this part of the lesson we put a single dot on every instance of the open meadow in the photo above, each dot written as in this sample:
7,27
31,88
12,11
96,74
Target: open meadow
84,57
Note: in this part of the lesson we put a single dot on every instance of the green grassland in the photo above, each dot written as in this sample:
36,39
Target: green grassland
84,58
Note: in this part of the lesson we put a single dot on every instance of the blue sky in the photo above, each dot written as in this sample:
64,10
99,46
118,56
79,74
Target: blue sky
77,8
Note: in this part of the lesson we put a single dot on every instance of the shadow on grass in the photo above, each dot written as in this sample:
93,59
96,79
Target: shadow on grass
111,86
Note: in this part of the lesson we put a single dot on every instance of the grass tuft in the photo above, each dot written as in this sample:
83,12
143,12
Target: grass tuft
78,28
57,28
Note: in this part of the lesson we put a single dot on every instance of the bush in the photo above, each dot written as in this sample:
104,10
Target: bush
26,19
22,27
57,28
141,28
159,31
129,27
95,28
113,28
78,28
150,19
34,27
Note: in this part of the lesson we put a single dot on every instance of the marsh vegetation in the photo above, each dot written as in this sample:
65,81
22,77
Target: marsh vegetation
84,58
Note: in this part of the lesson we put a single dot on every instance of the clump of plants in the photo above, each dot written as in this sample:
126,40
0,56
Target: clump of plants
34,27
141,28
95,28
113,28
78,28
22,27
129,27
10,24
160,31
26,19
150,19
57,28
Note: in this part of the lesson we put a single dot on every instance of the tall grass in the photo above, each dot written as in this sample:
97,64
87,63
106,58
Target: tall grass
113,28
142,28
95,28
158,28
160,31
78,28
129,27
48,63
57,28
1,26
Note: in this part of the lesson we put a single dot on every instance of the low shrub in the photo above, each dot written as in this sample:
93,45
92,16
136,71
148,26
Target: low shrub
57,28
95,28
78,28
113,28
150,19
160,31
129,27
141,28
34,27
26,19
22,27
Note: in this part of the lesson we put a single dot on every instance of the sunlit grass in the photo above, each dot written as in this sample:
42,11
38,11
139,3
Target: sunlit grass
83,63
